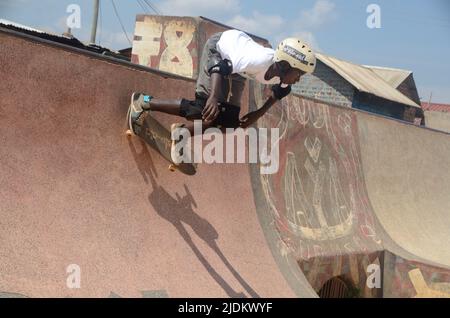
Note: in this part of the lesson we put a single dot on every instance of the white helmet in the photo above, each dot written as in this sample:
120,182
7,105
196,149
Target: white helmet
297,53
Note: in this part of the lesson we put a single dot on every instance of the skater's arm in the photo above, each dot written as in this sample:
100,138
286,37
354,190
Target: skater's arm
211,110
269,103
216,85
278,93
252,117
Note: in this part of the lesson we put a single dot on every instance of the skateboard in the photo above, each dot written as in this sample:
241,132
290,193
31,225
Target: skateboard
159,138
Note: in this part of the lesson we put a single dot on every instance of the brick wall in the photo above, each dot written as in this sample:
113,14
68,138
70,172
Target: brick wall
325,85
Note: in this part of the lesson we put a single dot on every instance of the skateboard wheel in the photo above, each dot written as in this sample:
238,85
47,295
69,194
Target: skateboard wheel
172,168
129,132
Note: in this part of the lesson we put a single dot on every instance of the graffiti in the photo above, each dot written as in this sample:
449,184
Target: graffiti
164,44
320,207
313,148
307,217
323,176
409,278
176,58
317,200
304,112
147,37
439,290
345,123
369,232
323,208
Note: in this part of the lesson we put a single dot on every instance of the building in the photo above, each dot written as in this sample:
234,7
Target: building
437,116
386,91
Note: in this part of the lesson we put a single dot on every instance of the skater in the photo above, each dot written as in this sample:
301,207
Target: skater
228,58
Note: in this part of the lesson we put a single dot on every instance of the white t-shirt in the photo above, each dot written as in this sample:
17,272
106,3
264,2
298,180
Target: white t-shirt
248,58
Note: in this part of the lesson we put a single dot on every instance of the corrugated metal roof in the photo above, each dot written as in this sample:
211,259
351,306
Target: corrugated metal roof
71,41
445,108
365,80
392,76
18,25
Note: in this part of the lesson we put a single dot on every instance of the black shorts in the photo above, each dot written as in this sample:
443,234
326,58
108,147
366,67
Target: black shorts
228,116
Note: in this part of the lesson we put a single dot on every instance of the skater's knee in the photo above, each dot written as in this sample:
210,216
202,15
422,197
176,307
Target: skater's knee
190,110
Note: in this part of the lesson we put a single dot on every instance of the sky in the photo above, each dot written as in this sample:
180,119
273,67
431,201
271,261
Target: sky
413,34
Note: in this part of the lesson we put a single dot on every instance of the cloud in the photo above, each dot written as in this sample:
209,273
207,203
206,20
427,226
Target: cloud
321,13
198,7
276,28
271,26
306,36
311,20
257,23
309,38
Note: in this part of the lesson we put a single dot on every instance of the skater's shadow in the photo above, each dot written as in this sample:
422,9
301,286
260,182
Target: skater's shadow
179,211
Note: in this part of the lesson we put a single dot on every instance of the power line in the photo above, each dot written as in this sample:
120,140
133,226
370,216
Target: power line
150,6
142,6
153,7
120,21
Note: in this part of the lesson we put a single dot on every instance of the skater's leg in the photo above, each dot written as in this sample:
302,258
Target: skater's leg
144,103
190,126
169,106
178,107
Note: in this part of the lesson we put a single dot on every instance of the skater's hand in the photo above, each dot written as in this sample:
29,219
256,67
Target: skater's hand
249,119
211,110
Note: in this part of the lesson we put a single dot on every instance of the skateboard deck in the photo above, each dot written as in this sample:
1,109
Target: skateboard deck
159,138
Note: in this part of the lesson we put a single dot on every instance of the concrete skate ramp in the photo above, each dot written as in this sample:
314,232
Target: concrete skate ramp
352,190
437,120
406,169
76,190
355,190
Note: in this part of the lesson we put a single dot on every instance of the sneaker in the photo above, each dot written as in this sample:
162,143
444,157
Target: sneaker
138,111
